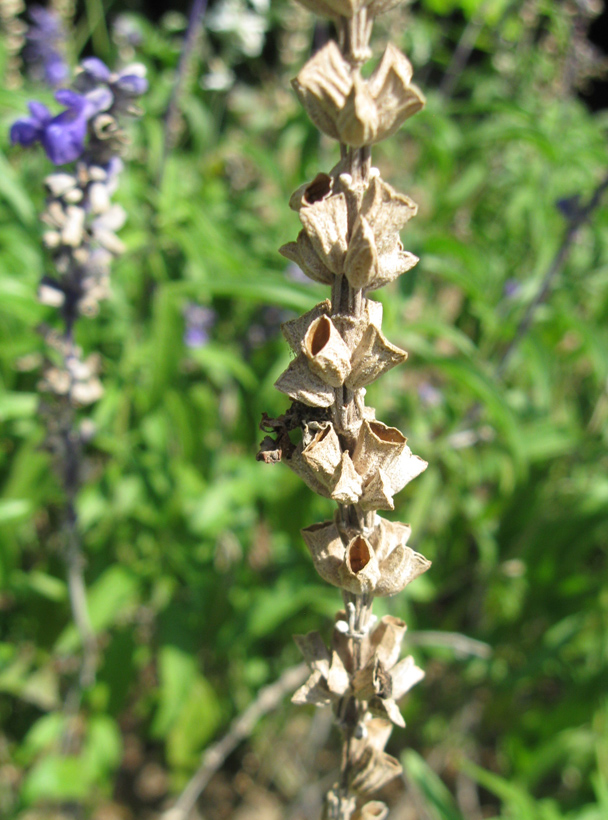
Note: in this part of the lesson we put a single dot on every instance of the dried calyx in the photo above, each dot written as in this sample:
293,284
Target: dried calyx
350,240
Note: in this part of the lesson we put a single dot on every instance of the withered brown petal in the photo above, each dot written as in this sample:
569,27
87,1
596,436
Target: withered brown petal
301,384
295,329
322,86
327,550
348,486
314,651
326,224
304,256
374,356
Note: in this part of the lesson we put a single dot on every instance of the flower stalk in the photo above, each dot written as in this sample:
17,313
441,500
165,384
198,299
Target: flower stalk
80,222
350,241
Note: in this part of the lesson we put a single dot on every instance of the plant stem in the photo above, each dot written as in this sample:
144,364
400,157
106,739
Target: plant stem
580,216
197,11
353,38
269,697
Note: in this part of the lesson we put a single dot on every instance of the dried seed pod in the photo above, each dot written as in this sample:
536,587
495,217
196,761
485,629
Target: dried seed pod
348,486
404,675
372,681
326,224
314,651
327,354
384,642
301,384
372,770
327,550
386,708
375,253
373,356
304,255
385,463
322,86
300,467
314,691
295,329
357,121
382,564
374,810
359,572
350,109
390,85
338,680
400,565
322,452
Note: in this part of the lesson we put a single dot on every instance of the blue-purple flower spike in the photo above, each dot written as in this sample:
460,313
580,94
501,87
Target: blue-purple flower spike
45,50
86,139
97,90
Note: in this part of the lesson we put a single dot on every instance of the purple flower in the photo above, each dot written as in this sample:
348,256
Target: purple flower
130,81
511,288
296,274
569,207
62,136
45,47
29,130
199,321
429,395
126,31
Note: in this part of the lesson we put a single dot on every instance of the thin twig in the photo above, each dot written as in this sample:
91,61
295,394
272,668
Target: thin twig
241,727
463,51
576,220
461,644
197,12
74,557
468,436
466,44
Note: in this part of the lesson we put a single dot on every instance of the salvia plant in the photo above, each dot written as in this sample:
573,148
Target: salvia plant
350,241
87,140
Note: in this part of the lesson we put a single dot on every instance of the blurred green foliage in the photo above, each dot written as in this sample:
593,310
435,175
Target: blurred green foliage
196,571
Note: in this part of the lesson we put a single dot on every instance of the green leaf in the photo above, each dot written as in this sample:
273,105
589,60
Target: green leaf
18,405
45,732
177,672
439,800
198,719
221,362
48,586
514,796
11,191
114,592
57,778
13,509
103,747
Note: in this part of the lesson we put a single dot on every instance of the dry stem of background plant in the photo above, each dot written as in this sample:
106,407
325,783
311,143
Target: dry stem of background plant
350,241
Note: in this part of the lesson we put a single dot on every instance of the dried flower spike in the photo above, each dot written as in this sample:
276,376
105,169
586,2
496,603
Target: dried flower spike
350,240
